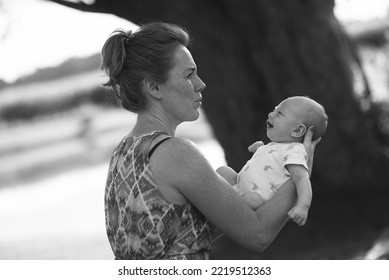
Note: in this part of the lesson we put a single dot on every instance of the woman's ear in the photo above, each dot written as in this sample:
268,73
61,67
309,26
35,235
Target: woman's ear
299,130
152,89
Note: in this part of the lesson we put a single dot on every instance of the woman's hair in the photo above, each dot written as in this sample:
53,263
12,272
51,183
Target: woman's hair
129,58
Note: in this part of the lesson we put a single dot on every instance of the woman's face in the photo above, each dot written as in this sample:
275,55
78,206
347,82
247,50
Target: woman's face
181,93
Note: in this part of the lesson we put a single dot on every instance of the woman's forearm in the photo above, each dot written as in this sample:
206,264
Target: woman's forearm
274,213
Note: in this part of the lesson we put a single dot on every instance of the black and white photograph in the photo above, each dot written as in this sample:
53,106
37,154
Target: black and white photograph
209,130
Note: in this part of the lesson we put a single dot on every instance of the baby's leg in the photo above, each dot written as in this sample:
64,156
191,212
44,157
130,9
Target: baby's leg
253,199
228,174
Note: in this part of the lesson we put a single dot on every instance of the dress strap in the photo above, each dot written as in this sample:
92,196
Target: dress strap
158,142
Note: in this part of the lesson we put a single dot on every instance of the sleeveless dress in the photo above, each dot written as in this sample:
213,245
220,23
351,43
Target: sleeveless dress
140,222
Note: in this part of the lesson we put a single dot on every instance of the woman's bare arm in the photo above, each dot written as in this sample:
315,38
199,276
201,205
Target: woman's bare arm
180,164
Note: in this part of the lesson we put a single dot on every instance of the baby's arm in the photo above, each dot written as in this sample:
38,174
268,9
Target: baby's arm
254,147
300,177
230,174
253,199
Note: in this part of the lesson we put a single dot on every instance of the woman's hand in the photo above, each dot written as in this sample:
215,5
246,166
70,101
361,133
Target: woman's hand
310,147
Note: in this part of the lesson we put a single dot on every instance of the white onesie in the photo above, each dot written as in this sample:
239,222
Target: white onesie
266,171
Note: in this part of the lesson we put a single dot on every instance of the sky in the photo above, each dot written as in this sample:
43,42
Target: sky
37,33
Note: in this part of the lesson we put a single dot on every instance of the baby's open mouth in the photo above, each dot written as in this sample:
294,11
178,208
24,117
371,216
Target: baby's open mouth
268,124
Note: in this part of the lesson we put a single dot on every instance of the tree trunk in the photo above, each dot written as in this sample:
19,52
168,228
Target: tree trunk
252,55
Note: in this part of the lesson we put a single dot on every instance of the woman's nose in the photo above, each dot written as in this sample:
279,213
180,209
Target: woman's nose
270,115
200,86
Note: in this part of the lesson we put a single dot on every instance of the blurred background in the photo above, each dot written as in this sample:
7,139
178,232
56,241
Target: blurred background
58,125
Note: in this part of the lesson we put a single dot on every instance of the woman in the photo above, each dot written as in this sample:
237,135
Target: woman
162,196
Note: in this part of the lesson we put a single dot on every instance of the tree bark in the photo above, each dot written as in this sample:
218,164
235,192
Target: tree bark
252,55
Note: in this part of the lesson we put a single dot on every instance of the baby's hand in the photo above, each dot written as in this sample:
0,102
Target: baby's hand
299,214
254,147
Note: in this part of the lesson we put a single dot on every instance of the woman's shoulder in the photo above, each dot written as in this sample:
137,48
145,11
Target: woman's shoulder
182,143
178,147
179,155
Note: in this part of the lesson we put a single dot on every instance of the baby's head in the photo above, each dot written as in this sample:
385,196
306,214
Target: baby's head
291,119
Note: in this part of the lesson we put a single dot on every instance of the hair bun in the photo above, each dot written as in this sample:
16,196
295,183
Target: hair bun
129,35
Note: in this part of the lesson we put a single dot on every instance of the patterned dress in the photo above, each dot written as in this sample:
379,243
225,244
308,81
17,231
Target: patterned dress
140,223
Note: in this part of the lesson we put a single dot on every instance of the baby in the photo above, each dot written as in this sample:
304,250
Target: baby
283,158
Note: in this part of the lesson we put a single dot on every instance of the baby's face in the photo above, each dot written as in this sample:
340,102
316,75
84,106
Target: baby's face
283,120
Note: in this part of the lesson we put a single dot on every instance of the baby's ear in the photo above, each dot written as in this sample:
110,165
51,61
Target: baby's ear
299,130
